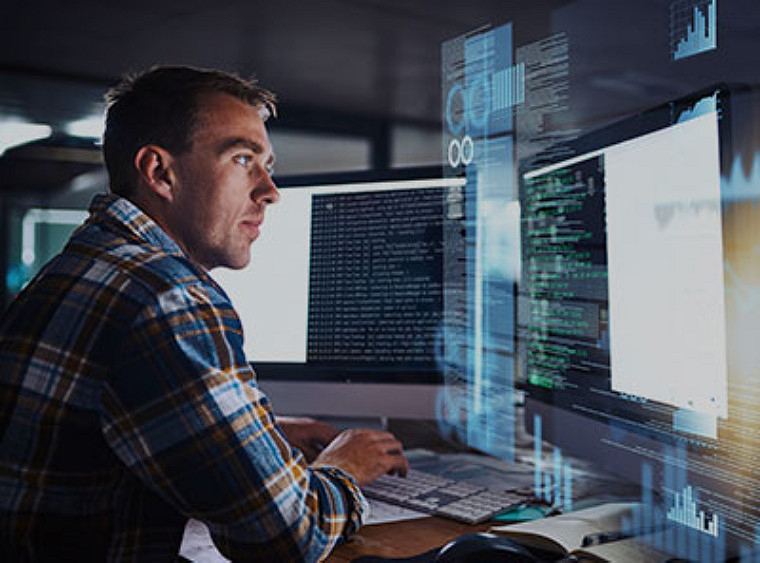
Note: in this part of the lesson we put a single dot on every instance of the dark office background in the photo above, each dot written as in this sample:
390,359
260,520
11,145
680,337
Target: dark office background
359,81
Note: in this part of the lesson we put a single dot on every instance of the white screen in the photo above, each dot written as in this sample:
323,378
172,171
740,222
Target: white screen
271,294
665,260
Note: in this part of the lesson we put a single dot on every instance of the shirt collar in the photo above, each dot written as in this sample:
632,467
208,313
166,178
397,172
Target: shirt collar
116,210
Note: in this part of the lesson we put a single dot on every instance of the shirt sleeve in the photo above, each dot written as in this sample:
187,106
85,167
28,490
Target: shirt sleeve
183,411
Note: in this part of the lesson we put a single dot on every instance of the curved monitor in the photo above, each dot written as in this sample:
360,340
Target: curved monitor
343,301
635,253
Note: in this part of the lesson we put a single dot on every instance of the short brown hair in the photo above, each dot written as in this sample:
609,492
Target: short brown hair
161,106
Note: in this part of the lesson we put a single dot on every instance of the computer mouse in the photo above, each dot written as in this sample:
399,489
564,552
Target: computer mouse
483,548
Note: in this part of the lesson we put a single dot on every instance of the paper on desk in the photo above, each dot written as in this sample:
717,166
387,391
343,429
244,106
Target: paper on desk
382,513
631,550
566,531
197,545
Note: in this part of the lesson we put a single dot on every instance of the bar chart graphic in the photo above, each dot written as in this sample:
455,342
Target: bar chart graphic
680,528
685,511
552,481
693,27
508,87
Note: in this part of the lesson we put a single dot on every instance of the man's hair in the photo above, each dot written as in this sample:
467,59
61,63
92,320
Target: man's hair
162,107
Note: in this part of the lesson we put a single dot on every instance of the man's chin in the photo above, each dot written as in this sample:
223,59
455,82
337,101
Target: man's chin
240,262
234,262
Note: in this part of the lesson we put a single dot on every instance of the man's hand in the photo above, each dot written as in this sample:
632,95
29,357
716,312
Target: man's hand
308,435
365,454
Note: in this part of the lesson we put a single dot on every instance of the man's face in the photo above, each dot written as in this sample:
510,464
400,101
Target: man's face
224,184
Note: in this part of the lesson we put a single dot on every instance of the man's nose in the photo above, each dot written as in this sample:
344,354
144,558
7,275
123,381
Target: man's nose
267,191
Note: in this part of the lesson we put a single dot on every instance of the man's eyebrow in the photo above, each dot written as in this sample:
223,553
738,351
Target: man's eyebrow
240,142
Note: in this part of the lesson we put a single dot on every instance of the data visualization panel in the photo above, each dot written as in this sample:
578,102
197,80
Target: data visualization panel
693,27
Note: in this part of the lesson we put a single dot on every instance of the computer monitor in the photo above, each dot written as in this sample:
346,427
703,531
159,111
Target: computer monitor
343,302
634,331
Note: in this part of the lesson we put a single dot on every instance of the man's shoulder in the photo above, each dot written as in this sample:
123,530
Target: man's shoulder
100,256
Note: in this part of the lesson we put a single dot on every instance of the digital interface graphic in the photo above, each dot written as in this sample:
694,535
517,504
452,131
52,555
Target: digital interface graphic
693,27
682,528
547,96
481,87
552,480
625,304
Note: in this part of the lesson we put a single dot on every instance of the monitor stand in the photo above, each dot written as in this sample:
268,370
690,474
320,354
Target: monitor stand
350,422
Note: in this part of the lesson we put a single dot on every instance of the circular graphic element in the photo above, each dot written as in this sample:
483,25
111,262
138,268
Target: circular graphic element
478,103
456,127
455,153
467,150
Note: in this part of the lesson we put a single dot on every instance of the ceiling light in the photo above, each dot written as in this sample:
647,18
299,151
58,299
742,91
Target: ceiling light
92,127
14,133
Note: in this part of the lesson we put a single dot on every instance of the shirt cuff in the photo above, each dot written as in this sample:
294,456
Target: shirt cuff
359,509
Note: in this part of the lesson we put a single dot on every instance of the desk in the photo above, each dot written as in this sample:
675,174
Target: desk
412,537
403,539
395,539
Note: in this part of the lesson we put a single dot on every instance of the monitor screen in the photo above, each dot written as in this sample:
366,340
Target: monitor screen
343,301
627,350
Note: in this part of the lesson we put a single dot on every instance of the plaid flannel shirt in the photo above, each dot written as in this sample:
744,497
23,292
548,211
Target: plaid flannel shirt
127,406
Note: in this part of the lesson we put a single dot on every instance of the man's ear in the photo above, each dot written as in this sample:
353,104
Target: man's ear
154,169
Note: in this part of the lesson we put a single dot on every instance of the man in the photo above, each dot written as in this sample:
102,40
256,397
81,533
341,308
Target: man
127,405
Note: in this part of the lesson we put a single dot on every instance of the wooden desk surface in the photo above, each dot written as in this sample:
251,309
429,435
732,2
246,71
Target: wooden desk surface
402,539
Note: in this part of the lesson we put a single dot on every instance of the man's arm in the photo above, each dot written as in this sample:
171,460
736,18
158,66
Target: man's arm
309,435
365,454
184,413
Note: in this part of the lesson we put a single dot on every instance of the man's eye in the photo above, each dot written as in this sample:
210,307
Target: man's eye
244,159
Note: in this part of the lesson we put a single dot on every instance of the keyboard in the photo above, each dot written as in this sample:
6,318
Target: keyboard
433,494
